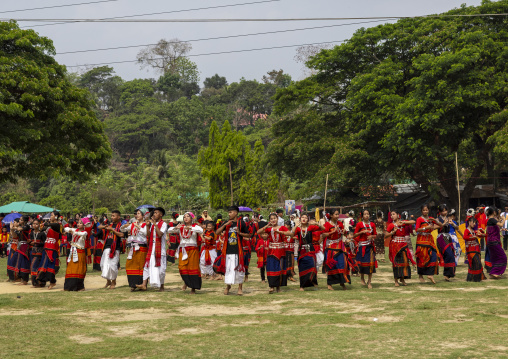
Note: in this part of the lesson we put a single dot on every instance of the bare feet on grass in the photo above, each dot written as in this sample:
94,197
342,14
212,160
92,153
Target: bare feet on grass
431,278
51,286
226,291
108,283
330,287
422,280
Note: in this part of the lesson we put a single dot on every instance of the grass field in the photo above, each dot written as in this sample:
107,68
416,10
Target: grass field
449,320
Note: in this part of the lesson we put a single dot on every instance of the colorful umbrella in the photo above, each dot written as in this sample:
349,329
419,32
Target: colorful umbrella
245,209
10,217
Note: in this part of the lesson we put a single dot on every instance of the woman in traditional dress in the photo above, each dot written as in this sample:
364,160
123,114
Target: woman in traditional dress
454,229
49,261
208,251
336,264
473,253
496,252
22,264
276,261
379,241
307,268
12,255
399,253
427,254
76,262
137,248
188,252
445,244
37,239
365,233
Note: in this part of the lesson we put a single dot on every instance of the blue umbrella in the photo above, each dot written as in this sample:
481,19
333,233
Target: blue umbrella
147,206
244,209
10,217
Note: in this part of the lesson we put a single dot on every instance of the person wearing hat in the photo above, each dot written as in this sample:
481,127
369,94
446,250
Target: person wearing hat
173,239
232,263
155,263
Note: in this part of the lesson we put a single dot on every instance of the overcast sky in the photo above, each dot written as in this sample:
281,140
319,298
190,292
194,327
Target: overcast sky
251,65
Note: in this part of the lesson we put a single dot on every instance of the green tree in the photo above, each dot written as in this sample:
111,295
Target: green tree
50,127
406,97
217,82
277,78
104,86
252,183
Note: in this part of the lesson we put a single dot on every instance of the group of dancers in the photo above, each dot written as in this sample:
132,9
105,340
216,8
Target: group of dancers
221,249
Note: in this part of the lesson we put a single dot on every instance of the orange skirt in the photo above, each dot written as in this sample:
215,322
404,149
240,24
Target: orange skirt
189,268
135,265
77,269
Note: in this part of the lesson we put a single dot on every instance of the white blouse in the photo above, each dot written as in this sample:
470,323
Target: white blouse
78,237
188,237
137,235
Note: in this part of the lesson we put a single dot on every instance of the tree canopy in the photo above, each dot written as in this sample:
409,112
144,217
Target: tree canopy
49,126
397,101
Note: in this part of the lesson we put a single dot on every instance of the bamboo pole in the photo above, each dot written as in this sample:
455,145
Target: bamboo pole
458,184
231,181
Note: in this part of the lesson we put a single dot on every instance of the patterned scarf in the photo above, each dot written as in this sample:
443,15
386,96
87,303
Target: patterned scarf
115,239
158,246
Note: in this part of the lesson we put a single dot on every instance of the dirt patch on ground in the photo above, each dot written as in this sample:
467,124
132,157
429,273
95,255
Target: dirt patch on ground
83,339
205,311
378,319
18,312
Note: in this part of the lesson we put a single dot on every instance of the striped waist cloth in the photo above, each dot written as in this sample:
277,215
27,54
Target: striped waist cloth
276,245
364,243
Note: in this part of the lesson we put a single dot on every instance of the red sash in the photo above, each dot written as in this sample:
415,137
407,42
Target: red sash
158,246
115,239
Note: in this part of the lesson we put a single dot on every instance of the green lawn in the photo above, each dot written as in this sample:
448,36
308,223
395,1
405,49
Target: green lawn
450,320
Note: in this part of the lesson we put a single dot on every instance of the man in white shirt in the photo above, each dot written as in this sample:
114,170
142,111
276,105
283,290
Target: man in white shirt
280,220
